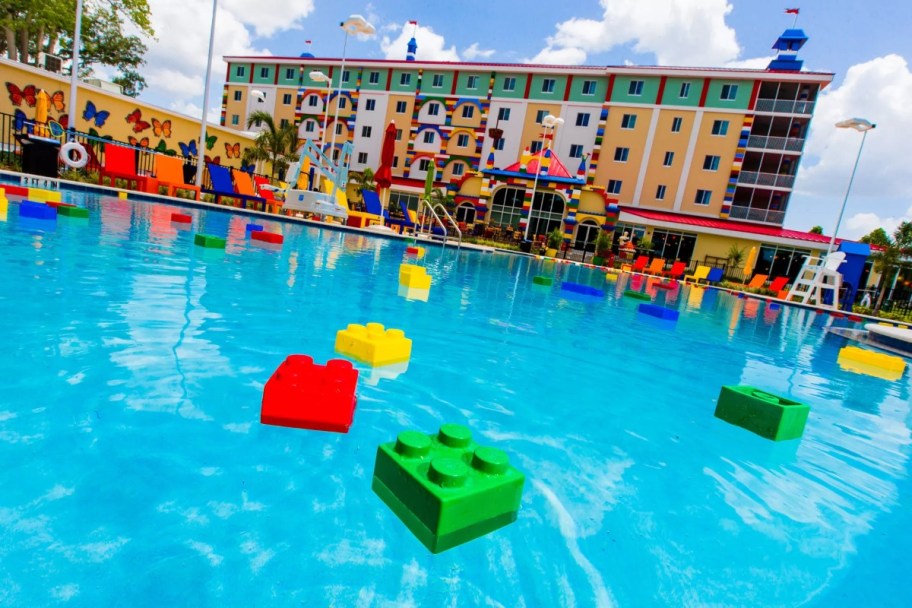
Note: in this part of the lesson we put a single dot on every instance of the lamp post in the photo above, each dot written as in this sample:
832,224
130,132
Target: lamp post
74,71
202,141
355,24
862,125
548,122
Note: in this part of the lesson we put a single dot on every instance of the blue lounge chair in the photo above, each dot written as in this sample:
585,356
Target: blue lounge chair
372,203
222,187
407,223
714,276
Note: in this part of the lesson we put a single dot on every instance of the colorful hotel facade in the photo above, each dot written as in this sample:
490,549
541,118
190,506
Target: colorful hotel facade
697,154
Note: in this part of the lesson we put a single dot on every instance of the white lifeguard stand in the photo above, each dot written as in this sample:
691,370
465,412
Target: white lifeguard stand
320,201
818,277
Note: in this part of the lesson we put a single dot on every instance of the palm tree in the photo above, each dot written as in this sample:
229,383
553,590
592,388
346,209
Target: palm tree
889,260
275,144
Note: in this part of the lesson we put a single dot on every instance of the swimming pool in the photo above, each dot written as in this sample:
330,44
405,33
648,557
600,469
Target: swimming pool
135,471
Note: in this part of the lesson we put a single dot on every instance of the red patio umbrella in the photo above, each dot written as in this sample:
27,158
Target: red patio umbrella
384,175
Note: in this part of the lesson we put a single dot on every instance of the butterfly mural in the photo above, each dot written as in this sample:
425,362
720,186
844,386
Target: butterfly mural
164,149
57,101
161,128
210,141
233,151
139,125
21,121
29,94
189,148
96,135
246,167
217,160
140,143
91,113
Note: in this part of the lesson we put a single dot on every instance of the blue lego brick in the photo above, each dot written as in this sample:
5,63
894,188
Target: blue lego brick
585,290
39,211
660,312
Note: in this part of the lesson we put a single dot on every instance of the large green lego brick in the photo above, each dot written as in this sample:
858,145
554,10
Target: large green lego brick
636,295
71,211
540,280
446,488
762,413
212,242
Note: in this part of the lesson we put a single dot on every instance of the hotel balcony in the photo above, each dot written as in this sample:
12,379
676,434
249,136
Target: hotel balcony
784,106
773,180
788,144
753,214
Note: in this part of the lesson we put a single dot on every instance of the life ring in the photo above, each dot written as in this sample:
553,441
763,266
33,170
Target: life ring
82,157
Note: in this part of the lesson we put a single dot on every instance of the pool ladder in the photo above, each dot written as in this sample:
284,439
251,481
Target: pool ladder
432,210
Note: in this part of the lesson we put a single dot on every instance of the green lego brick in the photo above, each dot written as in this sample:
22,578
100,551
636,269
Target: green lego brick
540,280
446,488
205,240
80,212
637,295
762,413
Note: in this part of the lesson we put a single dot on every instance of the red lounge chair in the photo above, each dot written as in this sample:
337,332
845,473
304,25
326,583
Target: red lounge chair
640,263
778,284
120,163
676,271
273,205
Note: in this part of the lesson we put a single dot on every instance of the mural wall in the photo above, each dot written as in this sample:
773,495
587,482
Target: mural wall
108,115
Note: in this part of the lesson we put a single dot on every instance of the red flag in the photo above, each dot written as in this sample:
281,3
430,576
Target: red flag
308,41
791,11
413,23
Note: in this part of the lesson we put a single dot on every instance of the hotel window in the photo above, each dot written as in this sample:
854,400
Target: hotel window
540,116
438,81
373,78
614,186
685,90
703,197
458,169
424,164
428,137
240,71
462,140
711,163
720,127
499,144
401,107
366,131
395,161
286,99
548,85
235,119
576,150
669,158
673,245
283,123
628,121
264,72
289,73
503,114
660,192
309,126
588,87
620,154
405,80
472,82
676,124
398,134
509,84
312,101
468,111
434,109
345,76
237,95
536,147
582,119
729,92
370,105
636,88
362,158
339,128
342,101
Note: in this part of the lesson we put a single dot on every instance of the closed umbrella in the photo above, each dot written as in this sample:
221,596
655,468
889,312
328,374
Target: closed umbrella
384,175
749,262
429,180
42,105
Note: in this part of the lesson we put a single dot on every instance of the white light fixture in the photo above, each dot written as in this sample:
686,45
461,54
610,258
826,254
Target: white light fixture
863,126
356,24
548,122
260,96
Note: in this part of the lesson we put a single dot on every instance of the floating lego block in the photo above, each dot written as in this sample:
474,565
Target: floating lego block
416,251
4,206
209,241
540,280
267,237
373,345
73,211
39,211
122,195
414,277
659,312
585,290
762,413
636,295
181,218
43,196
865,359
304,395
446,488
253,227
11,190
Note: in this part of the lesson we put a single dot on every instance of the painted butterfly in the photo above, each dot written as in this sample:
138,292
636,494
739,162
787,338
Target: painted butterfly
17,95
164,149
134,116
21,122
91,112
141,143
95,134
57,101
189,148
161,129
210,141
217,160
233,151
246,167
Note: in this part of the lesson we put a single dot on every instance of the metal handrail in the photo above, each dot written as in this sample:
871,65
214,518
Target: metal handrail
447,215
430,232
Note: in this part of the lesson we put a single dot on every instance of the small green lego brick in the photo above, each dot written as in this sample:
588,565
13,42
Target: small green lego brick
540,280
762,413
212,242
446,488
71,211
637,295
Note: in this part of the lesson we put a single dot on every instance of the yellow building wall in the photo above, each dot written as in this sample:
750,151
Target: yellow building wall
715,181
452,147
125,119
663,141
235,108
615,137
591,203
458,121
282,110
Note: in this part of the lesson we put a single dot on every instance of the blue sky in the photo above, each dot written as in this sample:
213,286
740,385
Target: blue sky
866,45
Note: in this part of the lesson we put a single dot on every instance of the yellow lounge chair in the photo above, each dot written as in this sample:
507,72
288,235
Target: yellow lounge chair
169,171
699,274
758,281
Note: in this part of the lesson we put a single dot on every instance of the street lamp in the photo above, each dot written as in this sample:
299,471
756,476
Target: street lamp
355,24
549,122
862,125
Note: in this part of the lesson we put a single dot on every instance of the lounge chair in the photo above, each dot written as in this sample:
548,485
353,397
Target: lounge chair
657,266
169,171
699,274
640,263
758,281
373,211
677,269
120,163
408,222
223,188
715,275
243,185
778,284
264,191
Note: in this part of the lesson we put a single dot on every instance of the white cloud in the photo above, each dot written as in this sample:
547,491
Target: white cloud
188,108
754,63
473,52
560,56
431,46
269,16
677,32
861,224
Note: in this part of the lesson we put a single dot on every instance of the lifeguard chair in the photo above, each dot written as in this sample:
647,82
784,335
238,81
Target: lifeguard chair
327,197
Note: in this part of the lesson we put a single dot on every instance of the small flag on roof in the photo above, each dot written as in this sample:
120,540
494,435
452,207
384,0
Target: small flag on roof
792,11
413,23
308,41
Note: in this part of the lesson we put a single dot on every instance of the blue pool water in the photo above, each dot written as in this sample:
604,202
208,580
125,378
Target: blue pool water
135,471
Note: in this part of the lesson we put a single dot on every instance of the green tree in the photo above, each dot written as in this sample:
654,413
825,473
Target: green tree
890,258
877,237
275,143
816,230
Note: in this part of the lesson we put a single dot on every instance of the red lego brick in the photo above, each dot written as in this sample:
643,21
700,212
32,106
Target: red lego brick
181,218
56,204
267,237
15,190
304,395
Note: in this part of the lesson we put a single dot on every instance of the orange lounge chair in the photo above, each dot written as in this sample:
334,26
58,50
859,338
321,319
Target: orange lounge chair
120,163
169,170
778,284
699,274
677,269
758,281
243,185
657,266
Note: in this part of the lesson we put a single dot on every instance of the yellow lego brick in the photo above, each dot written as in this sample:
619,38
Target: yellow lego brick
121,195
410,293
611,278
373,345
4,208
40,195
415,277
869,358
